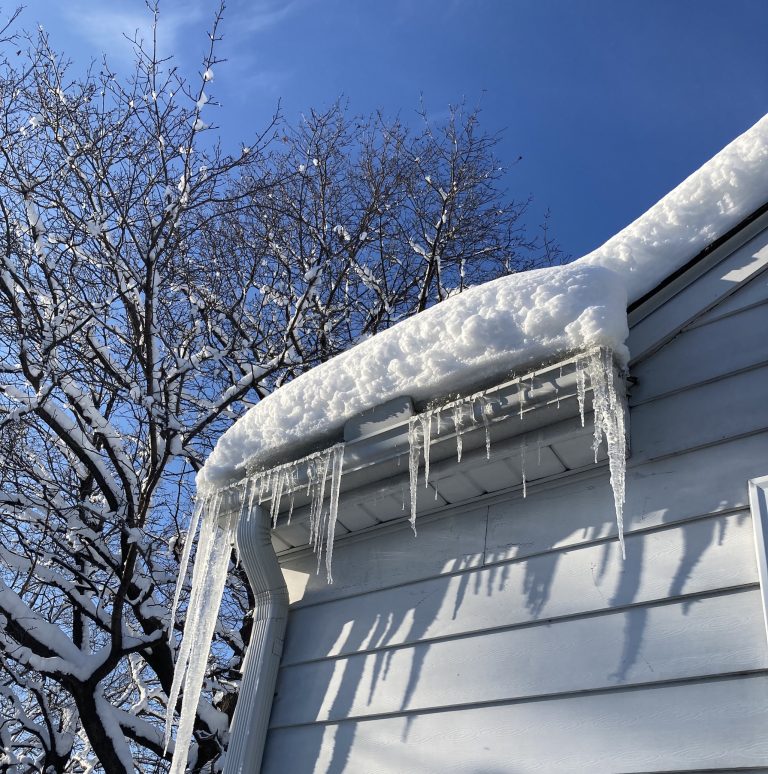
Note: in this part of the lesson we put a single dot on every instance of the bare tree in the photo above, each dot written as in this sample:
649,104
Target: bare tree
152,288
376,221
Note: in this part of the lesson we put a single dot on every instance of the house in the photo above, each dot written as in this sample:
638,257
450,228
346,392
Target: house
510,634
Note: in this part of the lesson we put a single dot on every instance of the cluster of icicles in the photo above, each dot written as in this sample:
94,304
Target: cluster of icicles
468,412
218,512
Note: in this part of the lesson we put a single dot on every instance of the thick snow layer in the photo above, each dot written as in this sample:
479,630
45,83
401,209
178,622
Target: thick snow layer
495,328
483,333
708,204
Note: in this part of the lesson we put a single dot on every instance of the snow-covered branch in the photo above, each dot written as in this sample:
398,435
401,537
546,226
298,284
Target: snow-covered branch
152,288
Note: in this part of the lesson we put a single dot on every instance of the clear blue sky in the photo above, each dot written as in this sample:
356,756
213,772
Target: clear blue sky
611,103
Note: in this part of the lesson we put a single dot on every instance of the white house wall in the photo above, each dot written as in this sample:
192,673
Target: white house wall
509,636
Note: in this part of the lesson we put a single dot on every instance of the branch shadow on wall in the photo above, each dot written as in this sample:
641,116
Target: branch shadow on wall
371,668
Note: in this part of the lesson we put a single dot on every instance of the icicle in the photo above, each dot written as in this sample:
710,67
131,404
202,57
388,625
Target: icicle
522,469
262,479
318,524
337,463
309,473
193,524
290,507
250,490
485,409
272,484
414,450
426,434
217,536
311,482
581,387
278,484
458,423
241,487
521,396
218,521
610,424
294,485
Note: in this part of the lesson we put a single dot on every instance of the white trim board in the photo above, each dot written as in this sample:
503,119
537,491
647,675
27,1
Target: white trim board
758,503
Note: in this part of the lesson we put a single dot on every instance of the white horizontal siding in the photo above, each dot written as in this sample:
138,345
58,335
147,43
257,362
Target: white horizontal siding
647,644
684,559
701,415
509,636
749,294
691,726
704,353
391,555
705,481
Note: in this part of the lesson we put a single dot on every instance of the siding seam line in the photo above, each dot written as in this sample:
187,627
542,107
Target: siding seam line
654,602
695,385
520,559
626,688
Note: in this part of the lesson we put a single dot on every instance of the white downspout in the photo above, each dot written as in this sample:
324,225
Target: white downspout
270,615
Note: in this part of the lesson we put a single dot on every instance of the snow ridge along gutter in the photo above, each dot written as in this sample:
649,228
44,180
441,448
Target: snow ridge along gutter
504,325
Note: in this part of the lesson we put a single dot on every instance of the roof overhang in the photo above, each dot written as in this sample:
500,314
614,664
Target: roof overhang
532,420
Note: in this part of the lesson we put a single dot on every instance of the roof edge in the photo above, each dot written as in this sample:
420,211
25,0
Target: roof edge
701,255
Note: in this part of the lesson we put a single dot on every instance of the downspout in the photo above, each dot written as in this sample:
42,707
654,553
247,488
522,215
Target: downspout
249,726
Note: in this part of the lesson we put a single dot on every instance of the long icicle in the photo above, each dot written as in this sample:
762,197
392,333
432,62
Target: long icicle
200,507
208,580
414,451
610,424
426,433
486,409
321,516
337,464
581,386
458,424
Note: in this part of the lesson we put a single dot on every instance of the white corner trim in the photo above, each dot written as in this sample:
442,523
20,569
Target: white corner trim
758,503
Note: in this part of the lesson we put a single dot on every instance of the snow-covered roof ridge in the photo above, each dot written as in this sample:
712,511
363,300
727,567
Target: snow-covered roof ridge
714,199
495,328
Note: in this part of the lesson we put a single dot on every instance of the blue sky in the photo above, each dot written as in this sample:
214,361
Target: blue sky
611,103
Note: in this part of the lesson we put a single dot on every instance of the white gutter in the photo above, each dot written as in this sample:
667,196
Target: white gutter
270,615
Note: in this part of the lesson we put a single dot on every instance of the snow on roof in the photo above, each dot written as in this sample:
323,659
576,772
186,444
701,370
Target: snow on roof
708,204
485,331
495,328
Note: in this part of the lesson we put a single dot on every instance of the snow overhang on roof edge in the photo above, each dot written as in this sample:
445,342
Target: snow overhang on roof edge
509,324
479,337
535,408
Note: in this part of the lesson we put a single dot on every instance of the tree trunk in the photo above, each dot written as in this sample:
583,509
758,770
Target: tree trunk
103,745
